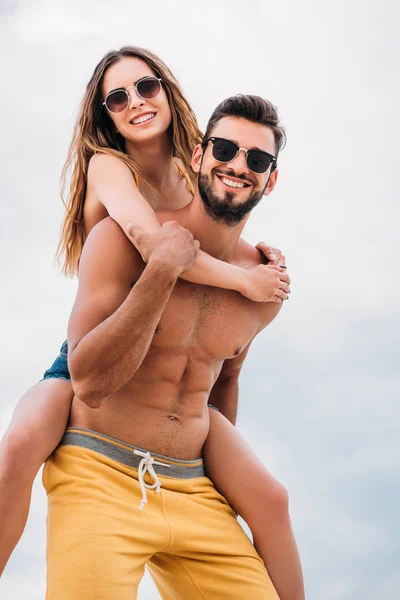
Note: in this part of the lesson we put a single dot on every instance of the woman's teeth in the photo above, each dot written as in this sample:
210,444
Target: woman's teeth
144,118
234,184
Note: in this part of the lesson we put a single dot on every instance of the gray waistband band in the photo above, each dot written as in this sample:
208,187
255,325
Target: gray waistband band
124,453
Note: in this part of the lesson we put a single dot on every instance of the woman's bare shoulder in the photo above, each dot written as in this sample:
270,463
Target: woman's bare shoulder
101,165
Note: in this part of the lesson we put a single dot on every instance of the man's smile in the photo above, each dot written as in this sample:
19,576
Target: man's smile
232,182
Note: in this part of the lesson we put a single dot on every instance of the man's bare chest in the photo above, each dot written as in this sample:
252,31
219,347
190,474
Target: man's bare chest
216,323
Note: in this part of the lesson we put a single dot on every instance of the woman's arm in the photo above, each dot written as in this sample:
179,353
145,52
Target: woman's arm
115,187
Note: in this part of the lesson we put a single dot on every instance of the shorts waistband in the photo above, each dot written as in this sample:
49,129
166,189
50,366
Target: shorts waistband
125,453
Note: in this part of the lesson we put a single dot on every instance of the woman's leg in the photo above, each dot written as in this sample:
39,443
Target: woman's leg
37,425
259,499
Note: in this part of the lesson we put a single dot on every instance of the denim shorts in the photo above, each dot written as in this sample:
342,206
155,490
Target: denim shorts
59,368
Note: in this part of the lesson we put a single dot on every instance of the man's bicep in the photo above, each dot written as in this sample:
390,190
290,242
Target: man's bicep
105,279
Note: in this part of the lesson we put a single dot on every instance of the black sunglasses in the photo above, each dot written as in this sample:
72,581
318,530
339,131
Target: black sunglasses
147,88
224,151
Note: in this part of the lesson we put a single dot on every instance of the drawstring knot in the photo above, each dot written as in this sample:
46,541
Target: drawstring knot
146,466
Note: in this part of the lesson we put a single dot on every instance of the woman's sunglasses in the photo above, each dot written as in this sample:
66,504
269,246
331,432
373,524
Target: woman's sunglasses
146,88
224,151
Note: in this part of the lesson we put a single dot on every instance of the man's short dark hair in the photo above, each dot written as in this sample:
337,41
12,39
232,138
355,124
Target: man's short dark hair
252,108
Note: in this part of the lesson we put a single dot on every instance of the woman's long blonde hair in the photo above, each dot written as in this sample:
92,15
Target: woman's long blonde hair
95,132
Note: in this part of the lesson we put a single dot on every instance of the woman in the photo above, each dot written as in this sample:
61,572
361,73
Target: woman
130,156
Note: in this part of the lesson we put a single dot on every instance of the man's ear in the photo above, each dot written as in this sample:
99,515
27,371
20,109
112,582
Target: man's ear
196,158
271,182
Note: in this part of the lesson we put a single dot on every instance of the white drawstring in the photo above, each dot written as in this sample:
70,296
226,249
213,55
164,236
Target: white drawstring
146,466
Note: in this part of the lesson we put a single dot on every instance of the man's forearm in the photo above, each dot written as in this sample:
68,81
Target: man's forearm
106,358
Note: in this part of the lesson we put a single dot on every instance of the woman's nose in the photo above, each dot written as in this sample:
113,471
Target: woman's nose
134,99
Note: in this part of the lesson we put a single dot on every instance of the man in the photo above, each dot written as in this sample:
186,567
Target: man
146,349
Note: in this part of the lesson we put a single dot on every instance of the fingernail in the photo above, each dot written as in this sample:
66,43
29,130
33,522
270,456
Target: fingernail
283,266
272,256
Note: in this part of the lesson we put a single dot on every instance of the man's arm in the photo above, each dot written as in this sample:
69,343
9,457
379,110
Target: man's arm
225,392
112,323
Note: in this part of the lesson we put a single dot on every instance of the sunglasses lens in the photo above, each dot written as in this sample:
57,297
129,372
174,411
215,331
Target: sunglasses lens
117,101
224,150
148,88
258,161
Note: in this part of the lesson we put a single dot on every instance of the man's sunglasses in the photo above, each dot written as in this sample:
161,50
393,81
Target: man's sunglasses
224,151
146,88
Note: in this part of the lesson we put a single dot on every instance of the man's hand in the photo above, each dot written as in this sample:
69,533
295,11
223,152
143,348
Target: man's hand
274,255
171,245
268,284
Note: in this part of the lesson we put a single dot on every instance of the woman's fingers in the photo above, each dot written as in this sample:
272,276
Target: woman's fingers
274,255
282,295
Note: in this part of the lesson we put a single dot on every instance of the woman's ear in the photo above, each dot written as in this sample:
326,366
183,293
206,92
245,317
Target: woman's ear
196,158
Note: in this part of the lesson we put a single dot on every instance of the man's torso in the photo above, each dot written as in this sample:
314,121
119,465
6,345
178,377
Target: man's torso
164,406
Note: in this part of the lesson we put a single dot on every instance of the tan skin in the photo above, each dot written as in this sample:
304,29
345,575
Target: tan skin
41,415
43,408
156,397
112,189
163,406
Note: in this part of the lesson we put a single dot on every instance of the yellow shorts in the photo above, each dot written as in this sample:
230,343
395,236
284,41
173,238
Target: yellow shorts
99,542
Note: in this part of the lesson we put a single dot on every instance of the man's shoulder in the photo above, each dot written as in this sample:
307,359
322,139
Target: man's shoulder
107,232
248,255
106,241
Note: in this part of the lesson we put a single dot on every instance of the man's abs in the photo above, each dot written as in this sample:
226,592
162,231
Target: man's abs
163,408
156,424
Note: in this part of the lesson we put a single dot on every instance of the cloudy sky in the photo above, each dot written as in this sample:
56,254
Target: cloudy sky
320,390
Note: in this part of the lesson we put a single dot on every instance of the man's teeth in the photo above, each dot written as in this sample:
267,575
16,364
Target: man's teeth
144,118
234,184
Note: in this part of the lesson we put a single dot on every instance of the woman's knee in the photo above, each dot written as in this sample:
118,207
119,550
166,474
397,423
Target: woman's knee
37,425
276,499
16,454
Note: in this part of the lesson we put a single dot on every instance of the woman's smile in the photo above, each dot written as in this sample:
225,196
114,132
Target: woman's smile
142,119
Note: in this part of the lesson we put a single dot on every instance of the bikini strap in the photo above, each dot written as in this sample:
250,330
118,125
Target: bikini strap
186,176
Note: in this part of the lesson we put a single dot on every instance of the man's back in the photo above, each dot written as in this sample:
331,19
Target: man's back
164,405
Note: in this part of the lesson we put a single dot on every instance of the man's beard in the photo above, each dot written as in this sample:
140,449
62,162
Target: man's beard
224,209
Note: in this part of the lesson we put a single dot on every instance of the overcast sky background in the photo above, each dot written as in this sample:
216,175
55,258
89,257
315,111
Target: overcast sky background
320,389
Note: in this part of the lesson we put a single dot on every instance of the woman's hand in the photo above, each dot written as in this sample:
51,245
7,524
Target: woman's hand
267,283
274,255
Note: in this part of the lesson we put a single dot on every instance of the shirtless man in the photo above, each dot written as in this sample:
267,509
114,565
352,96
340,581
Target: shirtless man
146,349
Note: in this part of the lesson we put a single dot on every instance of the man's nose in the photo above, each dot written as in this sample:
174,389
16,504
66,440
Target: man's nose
239,163
134,99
